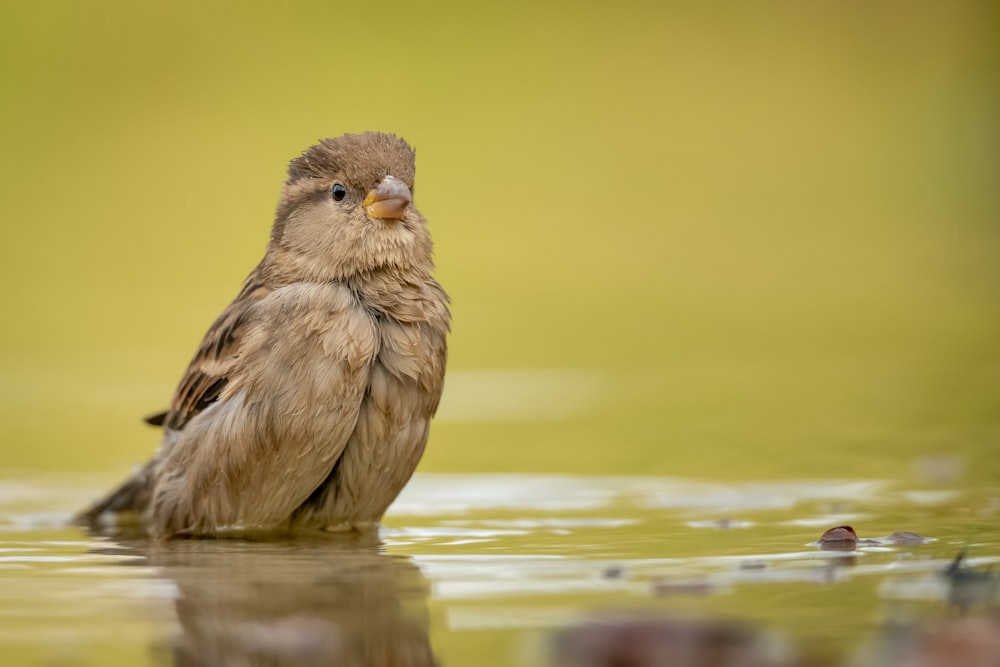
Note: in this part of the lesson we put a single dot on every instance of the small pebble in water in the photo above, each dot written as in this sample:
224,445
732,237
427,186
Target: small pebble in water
841,538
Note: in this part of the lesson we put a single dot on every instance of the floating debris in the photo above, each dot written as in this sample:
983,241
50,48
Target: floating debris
844,538
841,538
968,588
905,538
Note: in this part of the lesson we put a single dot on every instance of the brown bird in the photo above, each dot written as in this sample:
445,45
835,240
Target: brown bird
309,400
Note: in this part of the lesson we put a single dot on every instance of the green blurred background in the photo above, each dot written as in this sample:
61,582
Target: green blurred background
738,240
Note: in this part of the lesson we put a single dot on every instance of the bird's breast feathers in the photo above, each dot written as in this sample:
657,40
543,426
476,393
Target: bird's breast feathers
311,337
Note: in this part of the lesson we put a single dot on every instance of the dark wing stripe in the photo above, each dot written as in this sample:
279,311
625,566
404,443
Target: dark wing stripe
158,419
225,336
208,374
211,394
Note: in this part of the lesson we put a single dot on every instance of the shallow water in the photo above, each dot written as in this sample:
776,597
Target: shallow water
483,569
748,252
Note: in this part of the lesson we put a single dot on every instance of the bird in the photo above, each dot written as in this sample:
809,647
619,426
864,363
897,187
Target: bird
308,403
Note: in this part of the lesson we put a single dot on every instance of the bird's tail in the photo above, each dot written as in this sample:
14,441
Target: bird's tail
131,497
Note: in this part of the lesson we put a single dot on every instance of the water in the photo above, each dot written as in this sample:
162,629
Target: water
724,276
484,570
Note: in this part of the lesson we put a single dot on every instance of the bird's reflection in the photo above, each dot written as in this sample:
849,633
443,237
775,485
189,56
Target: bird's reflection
330,600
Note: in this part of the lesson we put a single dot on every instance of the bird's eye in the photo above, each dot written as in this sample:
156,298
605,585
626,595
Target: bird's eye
338,192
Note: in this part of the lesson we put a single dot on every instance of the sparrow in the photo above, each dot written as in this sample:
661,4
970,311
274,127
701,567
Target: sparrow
308,402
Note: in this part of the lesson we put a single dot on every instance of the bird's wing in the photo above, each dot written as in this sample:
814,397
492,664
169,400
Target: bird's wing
207,375
266,410
210,370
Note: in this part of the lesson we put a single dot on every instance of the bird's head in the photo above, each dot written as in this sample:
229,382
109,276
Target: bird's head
347,210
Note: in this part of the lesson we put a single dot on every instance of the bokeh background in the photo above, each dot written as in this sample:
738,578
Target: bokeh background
715,240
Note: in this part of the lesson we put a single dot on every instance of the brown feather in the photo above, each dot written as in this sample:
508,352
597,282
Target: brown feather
308,401
159,419
208,373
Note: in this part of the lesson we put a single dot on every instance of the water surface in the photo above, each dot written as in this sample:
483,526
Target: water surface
723,276
484,569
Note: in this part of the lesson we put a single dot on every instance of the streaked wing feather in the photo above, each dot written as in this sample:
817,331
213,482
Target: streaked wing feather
283,419
208,373
159,419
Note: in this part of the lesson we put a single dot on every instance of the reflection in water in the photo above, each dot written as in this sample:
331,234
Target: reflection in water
511,561
334,600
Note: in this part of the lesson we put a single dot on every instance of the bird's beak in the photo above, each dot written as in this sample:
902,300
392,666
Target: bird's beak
388,200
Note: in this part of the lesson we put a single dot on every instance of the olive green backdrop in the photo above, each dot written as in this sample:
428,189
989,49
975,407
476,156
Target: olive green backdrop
751,240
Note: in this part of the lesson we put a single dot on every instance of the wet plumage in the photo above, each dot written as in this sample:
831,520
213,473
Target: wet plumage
309,400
